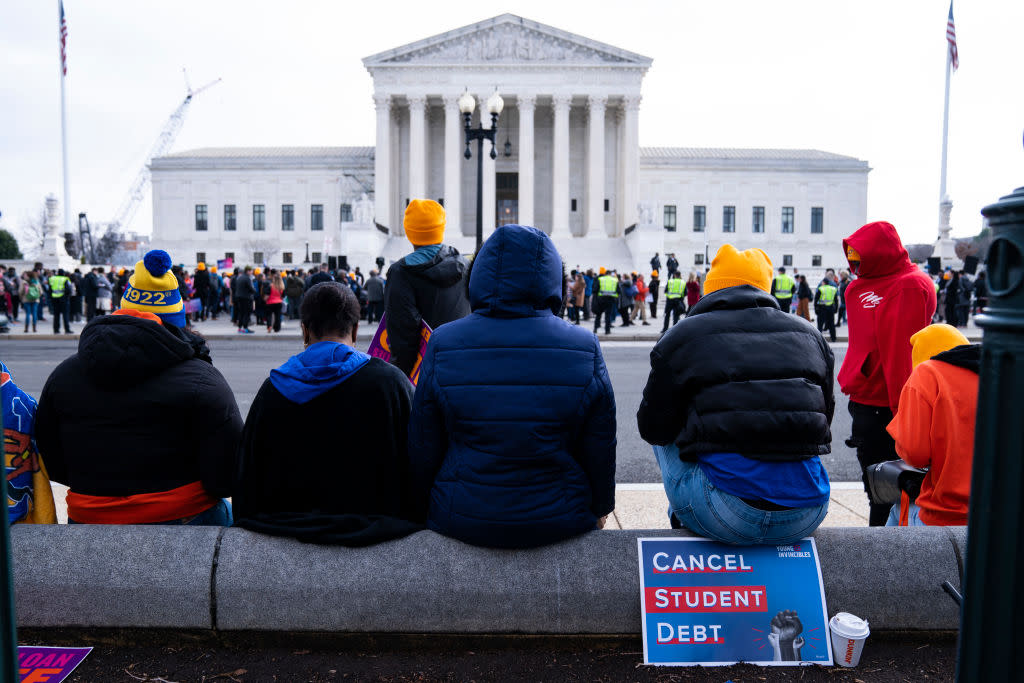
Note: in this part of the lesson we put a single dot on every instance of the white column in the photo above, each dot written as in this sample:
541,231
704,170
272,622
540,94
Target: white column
629,166
453,164
560,168
594,224
417,147
490,180
382,162
527,108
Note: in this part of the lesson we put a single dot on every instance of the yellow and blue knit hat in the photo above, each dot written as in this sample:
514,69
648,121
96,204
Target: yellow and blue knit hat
153,288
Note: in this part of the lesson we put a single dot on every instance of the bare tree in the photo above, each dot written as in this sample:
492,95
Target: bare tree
919,253
34,232
267,247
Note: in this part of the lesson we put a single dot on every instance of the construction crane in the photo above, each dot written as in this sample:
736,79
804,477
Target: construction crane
137,192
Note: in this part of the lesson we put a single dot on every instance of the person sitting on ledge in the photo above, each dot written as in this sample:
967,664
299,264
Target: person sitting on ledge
934,426
138,423
512,435
738,406
294,476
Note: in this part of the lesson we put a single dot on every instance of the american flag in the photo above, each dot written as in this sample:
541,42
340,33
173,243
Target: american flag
951,39
64,39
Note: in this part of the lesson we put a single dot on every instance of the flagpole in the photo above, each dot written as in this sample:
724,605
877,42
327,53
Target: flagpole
945,128
64,123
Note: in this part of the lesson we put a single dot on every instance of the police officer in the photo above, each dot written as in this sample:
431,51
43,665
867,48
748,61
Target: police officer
783,289
61,300
674,306
607,298
825,299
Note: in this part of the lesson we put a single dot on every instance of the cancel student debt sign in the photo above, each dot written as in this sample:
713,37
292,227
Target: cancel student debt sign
709,603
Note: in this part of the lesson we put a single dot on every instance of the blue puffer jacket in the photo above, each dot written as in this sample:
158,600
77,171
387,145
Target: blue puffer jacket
512,434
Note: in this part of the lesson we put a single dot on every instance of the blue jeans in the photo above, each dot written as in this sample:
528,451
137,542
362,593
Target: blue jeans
710,512
913,519
218,515
31,313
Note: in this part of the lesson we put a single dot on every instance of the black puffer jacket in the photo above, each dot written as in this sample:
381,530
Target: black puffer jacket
432,291
139,409
740,376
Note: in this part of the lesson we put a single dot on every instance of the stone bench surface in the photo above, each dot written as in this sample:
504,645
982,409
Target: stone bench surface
233,579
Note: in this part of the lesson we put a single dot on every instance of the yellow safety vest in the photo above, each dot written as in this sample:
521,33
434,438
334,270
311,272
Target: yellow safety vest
674,289
57,285
608,285
826,295
784,286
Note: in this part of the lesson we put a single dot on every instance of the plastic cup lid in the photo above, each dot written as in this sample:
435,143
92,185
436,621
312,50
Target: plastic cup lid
849,625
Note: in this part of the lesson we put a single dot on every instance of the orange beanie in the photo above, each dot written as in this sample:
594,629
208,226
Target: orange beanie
731,268
424,222
933,340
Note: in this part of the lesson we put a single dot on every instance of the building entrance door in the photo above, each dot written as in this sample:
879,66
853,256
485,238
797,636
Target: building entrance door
507,190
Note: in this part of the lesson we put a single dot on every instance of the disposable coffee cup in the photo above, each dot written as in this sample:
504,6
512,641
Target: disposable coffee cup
848,635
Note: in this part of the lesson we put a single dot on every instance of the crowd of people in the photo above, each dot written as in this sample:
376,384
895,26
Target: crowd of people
502,432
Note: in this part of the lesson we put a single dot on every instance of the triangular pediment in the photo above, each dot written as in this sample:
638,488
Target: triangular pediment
507,39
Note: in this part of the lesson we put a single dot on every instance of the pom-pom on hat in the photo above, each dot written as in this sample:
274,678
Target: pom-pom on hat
153,288
424,222
933,340
731,268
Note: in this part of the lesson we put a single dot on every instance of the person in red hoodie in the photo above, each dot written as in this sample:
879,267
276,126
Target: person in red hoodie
890,300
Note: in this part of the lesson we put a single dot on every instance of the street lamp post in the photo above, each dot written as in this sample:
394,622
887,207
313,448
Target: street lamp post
467,103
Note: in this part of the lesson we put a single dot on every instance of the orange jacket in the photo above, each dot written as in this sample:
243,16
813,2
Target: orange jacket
934,427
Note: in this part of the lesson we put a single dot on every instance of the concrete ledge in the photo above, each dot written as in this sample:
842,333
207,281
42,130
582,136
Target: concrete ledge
113,576
426,583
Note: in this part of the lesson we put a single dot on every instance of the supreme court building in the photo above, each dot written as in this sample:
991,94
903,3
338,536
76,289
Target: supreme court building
568,161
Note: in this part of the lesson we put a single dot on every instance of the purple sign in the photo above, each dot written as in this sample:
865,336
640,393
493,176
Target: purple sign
380,348
48,664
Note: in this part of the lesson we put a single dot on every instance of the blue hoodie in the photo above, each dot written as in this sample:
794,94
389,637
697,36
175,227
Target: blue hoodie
319,368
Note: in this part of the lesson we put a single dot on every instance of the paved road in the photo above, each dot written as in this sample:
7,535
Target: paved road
246,363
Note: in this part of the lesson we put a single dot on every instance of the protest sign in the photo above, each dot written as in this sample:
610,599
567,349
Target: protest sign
48,664
709,603
225,263
381,348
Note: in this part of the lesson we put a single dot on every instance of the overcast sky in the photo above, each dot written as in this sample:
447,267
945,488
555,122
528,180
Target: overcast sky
863,79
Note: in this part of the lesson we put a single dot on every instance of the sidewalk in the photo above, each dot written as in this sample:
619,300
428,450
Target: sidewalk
222,328
644,506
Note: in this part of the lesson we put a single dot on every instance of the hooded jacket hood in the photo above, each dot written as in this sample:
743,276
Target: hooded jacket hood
733,298
319,368
517,272
445,269
123,351
880,248
966,356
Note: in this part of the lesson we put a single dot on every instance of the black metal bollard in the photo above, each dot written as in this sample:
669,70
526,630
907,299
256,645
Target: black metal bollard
992,618
8,630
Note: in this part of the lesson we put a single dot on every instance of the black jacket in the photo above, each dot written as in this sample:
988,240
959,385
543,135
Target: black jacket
334,469
201,281
139,409
432,291
242,287
738,375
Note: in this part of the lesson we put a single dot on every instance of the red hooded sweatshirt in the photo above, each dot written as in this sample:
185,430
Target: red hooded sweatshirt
890,300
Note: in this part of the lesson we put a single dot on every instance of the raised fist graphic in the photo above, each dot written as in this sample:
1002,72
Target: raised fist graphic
785,636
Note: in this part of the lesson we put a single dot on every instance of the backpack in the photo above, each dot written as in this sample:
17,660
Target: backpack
34,292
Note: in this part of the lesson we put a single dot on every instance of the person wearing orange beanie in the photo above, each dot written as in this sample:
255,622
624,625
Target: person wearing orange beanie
934,426
425,287
734,470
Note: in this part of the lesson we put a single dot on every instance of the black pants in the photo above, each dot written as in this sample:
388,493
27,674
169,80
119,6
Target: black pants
605,305
826,319
873,445
61,307
273,316
673,308
784,304
842,314
244,310
90,308
654,305
374,311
